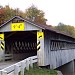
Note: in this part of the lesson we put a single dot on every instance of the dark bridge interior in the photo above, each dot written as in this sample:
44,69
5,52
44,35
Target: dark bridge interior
21,44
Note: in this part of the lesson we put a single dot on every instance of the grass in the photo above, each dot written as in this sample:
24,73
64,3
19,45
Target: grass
40,71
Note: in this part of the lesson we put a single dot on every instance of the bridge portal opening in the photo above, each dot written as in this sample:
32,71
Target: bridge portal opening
21,44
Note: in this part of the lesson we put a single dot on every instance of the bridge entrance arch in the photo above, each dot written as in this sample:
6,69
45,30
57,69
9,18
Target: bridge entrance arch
21,44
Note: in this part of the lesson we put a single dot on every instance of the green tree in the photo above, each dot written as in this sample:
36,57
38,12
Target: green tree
36,15
67,29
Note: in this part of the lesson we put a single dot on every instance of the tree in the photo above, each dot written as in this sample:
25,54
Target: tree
36,15
2,17
67,29
9,12
32,13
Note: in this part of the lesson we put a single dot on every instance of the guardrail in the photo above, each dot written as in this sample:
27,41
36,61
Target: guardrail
19,67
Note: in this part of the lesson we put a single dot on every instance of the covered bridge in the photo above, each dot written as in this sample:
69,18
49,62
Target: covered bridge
22,38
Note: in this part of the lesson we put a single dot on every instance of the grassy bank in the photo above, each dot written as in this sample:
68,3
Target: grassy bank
40,71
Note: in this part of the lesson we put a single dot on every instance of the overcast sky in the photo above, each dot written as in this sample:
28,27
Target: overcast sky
55,10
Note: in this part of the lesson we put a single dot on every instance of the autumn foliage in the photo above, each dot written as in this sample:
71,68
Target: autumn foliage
32,13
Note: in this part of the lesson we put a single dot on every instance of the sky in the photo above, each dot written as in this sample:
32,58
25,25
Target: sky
55,10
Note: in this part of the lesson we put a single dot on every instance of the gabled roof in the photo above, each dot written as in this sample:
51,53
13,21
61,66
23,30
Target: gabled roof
21,19
28,21
45,27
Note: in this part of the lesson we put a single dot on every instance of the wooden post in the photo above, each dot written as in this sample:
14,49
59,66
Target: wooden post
2,49
4,73
31,62
40,48
0,72
27,63
23,66
17,70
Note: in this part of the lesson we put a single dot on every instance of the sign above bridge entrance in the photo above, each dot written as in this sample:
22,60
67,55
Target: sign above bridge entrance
17,26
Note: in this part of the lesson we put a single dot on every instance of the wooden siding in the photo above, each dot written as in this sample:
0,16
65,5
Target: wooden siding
57,58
